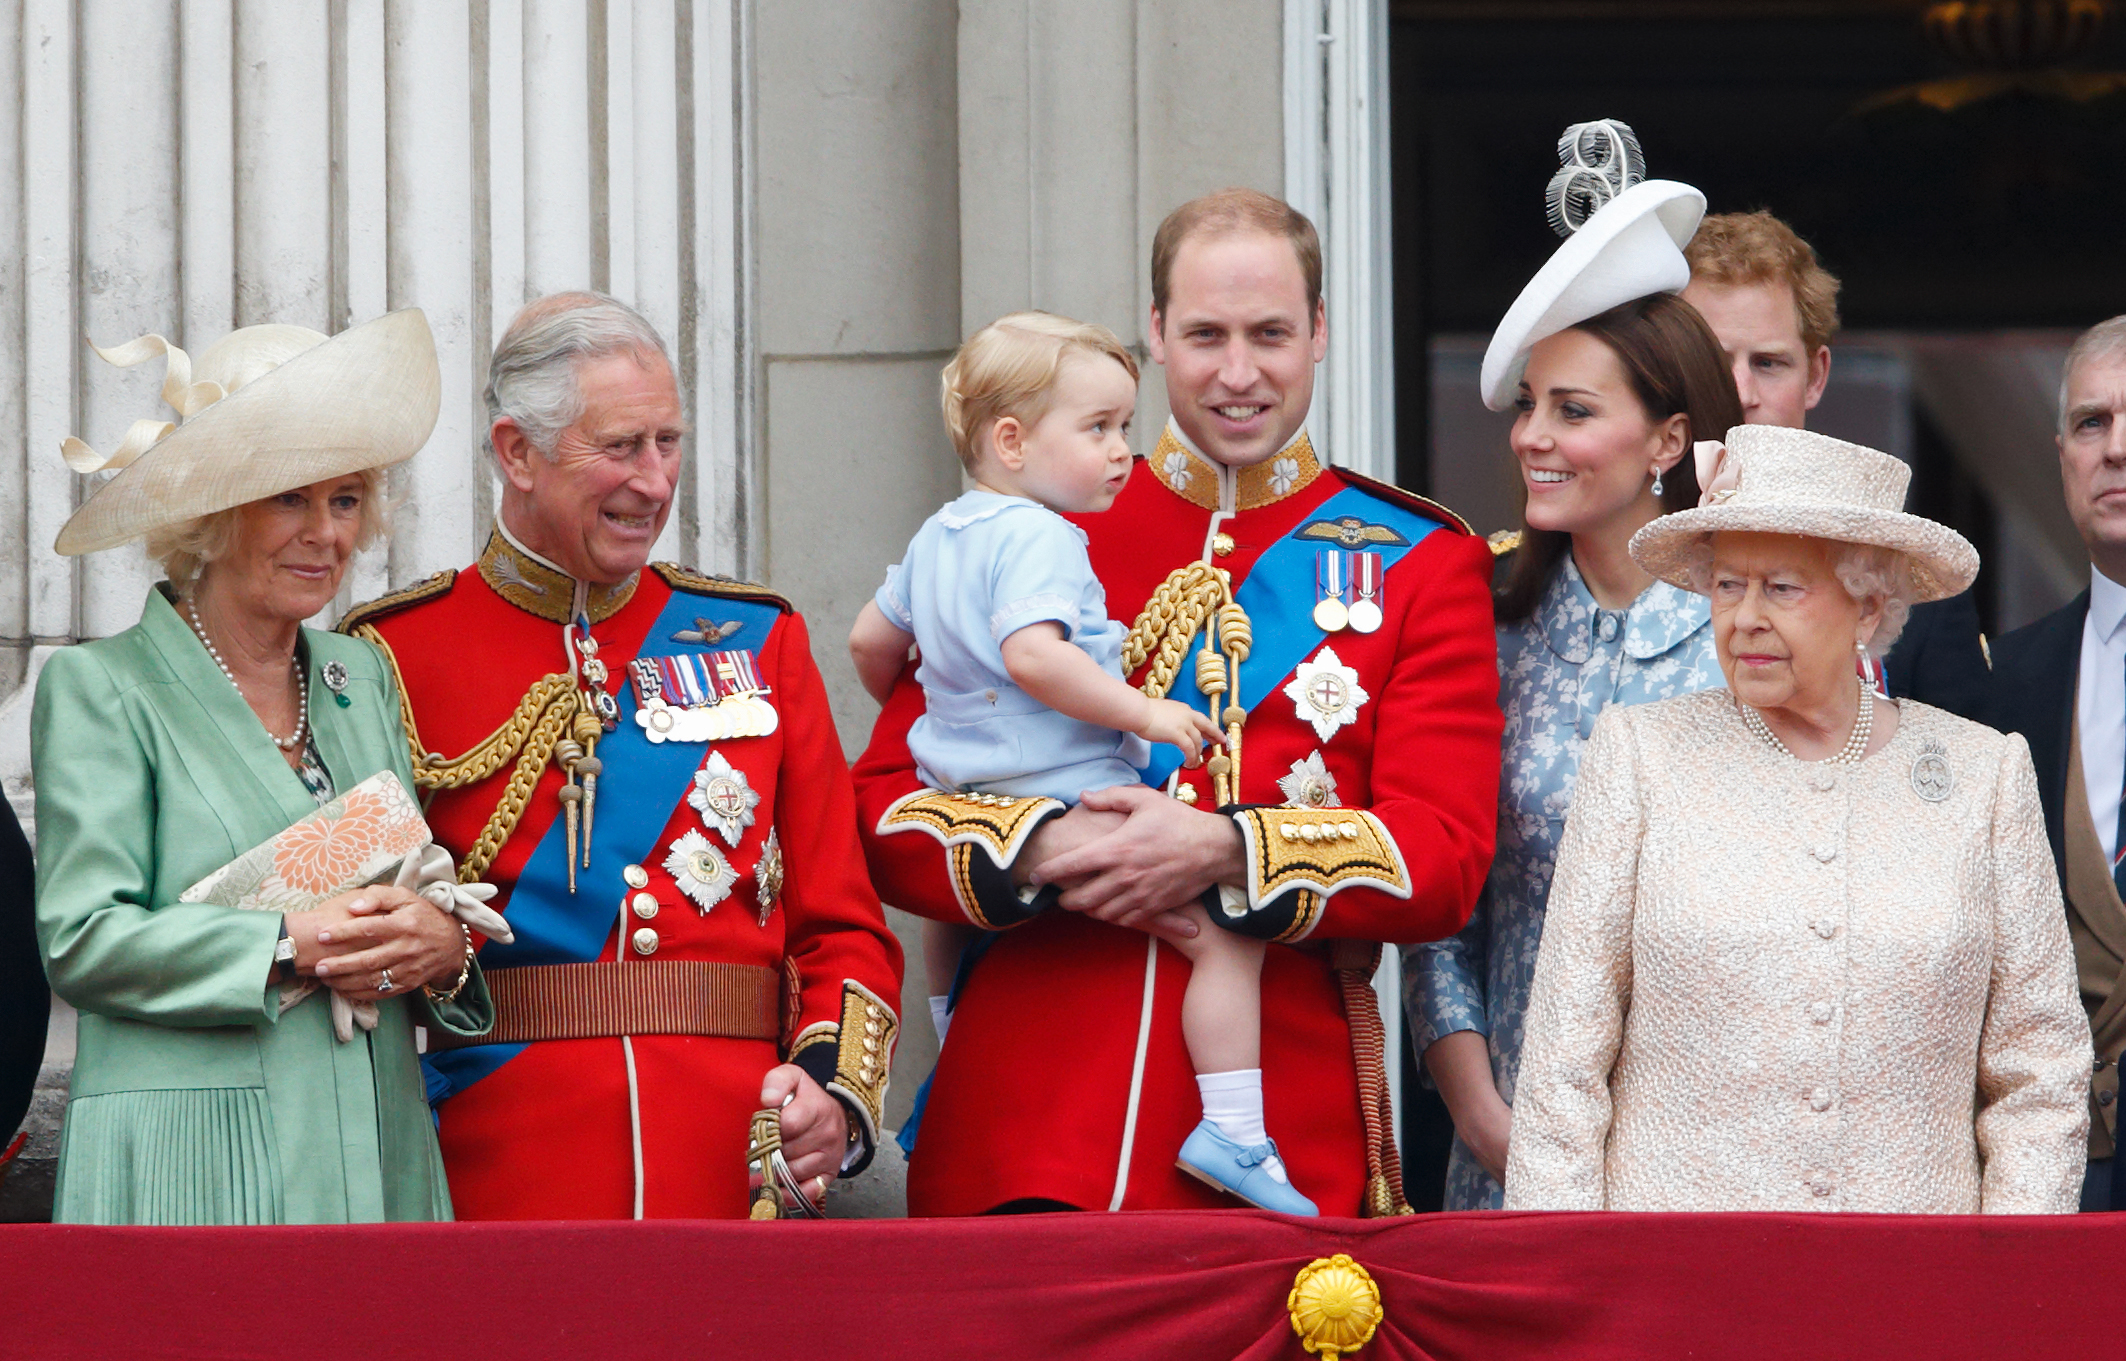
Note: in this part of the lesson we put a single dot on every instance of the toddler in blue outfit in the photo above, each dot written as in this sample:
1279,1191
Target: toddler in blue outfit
1021,670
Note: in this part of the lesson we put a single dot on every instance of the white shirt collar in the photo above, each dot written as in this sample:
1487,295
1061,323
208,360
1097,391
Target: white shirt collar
2107,604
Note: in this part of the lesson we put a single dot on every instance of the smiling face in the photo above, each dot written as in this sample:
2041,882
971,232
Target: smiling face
1779,378
1076,457
1586,446
1783,625
286,558
595,505
2092,446
1239,344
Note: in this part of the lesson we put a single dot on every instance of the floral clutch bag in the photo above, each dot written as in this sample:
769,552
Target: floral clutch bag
358,839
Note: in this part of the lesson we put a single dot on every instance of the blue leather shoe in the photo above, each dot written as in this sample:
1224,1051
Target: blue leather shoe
1223,1165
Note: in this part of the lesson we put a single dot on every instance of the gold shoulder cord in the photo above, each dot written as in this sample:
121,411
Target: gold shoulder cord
542,717
1197,597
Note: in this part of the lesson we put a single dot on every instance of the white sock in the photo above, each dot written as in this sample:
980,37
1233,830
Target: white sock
1233,1102
941,1016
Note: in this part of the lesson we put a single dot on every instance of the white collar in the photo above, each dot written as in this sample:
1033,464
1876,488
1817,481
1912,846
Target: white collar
2107,604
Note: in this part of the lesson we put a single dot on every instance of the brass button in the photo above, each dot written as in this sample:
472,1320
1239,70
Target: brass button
636,876
1222,544
645,905
1186,793
645,941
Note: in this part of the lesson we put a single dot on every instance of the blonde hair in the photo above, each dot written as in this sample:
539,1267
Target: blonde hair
1756,248
184,549
1009,368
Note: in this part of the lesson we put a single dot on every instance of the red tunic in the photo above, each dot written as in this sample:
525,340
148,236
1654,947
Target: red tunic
549,1131
1032,1097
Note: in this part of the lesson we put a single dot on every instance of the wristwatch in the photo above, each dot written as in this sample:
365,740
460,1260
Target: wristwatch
284,955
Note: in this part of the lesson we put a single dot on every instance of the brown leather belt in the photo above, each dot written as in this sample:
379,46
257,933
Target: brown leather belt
651,997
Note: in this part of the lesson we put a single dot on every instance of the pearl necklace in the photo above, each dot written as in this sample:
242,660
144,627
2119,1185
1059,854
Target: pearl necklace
302,717
1856,745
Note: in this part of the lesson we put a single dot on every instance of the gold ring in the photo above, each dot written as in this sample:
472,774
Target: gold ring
820,1196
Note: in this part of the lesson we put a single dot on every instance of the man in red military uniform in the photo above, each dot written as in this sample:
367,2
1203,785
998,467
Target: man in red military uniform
1340,630
641,759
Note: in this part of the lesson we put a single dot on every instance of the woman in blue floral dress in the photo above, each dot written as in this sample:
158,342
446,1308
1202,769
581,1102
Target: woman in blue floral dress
1609,409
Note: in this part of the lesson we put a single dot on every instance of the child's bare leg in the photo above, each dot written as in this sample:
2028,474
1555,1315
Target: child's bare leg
1221,1019
943,944
1221,1012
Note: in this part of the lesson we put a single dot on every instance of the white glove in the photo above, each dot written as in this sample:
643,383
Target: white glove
430,873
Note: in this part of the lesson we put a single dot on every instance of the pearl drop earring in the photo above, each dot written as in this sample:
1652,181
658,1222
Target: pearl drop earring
1657,484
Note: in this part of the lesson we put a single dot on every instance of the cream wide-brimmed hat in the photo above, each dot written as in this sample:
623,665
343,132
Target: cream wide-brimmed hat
272,408
1624,239
1767,479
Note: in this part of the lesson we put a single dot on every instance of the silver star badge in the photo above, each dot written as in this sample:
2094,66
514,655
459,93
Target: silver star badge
767,876
702,872
1310,785
1326,693
723,798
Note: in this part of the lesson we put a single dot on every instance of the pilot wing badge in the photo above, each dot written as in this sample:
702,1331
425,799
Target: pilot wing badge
1349,531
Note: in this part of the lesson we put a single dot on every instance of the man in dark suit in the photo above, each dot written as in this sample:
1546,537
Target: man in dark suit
2061,683
1774,308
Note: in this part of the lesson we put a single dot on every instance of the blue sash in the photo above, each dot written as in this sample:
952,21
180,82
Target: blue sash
1279,597
642,783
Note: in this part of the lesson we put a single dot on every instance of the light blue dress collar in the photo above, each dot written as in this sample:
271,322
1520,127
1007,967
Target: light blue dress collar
1659,620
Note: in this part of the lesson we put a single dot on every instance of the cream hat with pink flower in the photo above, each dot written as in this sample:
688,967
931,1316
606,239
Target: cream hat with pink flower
1767,479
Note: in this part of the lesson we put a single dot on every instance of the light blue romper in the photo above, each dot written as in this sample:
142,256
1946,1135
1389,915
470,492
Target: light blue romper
979,570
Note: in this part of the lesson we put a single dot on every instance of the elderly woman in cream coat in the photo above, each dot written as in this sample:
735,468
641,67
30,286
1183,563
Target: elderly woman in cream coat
1805,949
204,1090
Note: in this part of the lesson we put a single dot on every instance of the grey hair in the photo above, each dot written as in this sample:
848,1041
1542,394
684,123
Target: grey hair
1864,569
184,550
2105,340
532,378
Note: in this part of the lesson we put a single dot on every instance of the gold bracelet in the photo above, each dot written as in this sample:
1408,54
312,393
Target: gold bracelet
464,972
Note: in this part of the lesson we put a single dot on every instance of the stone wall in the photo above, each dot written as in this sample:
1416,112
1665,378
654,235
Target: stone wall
817,197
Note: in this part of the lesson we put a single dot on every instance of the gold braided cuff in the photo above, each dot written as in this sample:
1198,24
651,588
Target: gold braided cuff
862,1051
998,823
1319,850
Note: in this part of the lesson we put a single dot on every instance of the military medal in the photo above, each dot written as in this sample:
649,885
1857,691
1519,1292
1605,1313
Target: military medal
1330,616
702,872
1365,585
767,876
723,798
701,697
1310,785
334,675
1326,693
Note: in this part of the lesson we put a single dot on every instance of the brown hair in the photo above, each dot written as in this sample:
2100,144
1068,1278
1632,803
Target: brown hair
1756,248
1009,368
1230,212
1675,365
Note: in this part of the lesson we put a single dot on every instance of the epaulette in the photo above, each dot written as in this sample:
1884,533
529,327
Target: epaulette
711,583
1504,541
1409,500
370,611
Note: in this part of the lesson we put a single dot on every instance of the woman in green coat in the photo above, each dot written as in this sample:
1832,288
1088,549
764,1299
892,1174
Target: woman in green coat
168,751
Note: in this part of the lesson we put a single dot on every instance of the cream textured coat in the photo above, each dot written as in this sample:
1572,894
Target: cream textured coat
1769,985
